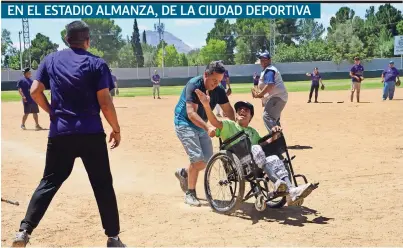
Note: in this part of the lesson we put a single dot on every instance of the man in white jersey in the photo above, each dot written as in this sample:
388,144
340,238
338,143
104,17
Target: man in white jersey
271,90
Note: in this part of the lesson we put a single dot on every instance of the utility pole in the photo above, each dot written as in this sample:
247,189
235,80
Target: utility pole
160,28
19,36
27,40
272,37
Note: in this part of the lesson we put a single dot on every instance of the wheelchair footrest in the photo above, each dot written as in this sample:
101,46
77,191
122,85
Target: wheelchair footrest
273,195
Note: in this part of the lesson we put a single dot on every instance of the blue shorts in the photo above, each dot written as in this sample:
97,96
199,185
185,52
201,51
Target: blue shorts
197,144
30,108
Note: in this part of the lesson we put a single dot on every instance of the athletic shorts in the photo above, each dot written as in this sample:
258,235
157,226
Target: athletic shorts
197,144
355,86
30,108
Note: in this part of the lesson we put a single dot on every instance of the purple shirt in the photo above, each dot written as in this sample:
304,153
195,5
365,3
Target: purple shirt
156,78
25,85
357,70
224,79
315,78
74,76
256,80
390,74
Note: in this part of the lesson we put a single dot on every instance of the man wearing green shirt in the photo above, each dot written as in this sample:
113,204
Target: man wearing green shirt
272,165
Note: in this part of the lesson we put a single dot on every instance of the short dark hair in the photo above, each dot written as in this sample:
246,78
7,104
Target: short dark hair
77,33
215,66
26,70
356,58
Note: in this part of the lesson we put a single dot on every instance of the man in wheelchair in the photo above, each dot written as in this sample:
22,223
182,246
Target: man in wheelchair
271,165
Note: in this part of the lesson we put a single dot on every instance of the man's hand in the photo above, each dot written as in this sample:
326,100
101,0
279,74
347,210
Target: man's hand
255,94
24,99
204,99
211,132
276,129
115,137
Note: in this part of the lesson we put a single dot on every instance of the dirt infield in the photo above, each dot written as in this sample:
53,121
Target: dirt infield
356,155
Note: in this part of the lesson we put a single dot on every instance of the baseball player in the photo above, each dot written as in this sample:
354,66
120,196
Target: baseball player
80,84
272,165
192,128
357,76
224,83
30,106
316,78
155,79
389,78
114,91
271,90
256,78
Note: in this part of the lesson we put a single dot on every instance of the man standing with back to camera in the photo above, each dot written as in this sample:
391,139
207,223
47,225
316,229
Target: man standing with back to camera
80,83
192,128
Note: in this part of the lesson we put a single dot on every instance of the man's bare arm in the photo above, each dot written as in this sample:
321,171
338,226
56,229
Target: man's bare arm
212,118
191,109
228,110
38,96
108,109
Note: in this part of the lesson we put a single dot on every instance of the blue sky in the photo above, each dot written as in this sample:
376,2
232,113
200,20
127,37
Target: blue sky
192,31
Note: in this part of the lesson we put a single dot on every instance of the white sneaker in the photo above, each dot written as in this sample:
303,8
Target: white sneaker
297,193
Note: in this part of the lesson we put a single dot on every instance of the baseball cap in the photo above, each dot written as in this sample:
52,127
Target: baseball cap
356,58
245,104
264,55
391,62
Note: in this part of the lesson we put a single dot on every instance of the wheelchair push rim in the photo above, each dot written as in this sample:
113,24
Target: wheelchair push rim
223,179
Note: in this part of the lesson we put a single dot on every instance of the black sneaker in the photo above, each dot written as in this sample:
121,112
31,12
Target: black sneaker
21,239
115,243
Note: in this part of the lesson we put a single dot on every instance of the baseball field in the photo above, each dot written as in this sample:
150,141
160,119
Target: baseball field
354,150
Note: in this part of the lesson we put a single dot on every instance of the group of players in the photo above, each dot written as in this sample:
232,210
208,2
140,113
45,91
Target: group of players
81,85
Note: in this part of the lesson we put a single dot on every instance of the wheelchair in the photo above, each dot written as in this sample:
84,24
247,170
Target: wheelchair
239,167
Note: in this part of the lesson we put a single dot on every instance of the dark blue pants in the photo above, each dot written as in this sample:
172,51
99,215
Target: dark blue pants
316,88
60,156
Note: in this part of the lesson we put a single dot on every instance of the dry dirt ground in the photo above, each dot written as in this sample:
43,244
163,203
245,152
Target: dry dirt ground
356,155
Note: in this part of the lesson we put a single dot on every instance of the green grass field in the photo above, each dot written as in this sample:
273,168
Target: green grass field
298,86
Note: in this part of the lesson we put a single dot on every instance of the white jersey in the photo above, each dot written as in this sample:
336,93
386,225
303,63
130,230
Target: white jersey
279,89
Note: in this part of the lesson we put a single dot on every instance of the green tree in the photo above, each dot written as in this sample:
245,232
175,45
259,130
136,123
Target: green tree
252,36
14,61
287,28
96,52
34,65
149,53
385,43
144,37
6,41
105,36
183,61
213,50
40,47
126,57
399,28
171,57
343,15
223,30
309,30
136,45
193,57
388,16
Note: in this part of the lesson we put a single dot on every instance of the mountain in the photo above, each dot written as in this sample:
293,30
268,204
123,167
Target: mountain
170,39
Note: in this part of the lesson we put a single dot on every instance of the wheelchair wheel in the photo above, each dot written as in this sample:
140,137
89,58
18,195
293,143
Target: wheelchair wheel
228,184
278,202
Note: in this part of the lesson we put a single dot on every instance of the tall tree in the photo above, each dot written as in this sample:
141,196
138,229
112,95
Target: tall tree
223,30
6,41
286,30
213,50
144,37
137,49
40,47
193,57
309,30
388,16
385,43
171,56
105,37
183,61
343,15
399,28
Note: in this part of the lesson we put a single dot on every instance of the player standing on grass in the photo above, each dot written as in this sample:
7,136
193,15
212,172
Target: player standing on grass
30,106
224,83
357,76
114,91
316,78
80,83
155,79
193,129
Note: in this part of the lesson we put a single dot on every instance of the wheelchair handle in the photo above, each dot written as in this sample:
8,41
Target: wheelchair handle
268,136
233,138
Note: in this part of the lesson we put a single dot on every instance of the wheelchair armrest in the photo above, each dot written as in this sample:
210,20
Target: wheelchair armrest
268,136
232,139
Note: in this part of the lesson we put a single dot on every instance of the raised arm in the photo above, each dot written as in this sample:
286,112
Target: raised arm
205,100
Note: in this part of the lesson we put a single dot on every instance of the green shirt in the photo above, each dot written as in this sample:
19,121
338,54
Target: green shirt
230,128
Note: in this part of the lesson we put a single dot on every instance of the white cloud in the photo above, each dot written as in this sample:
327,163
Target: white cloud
191,22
